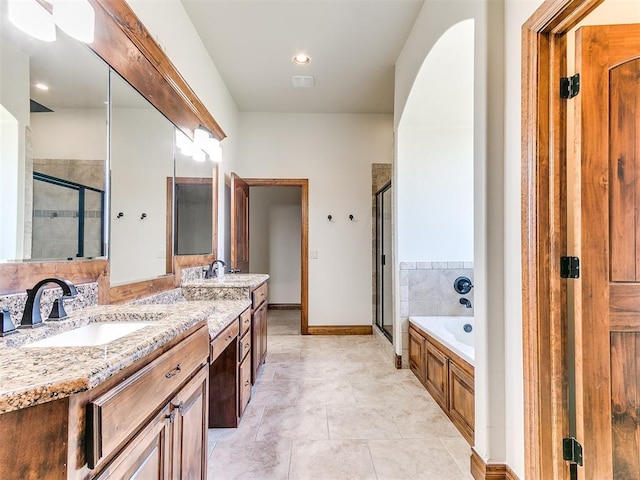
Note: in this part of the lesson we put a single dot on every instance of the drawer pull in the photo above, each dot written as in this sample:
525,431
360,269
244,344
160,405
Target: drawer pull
247,320
246,384
229,338
247,345
173,372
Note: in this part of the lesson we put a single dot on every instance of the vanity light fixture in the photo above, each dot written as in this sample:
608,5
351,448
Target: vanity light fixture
33,19
204,144
302,59
74,17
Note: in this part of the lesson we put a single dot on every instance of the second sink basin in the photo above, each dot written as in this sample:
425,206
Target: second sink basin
91,335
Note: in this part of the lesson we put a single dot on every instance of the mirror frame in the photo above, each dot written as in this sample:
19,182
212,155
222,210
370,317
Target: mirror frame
125,44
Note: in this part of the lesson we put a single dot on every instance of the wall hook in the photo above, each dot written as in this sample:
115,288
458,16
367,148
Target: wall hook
120,215
329,217
351,217
143,216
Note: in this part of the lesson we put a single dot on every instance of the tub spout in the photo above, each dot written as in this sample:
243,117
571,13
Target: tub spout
466,302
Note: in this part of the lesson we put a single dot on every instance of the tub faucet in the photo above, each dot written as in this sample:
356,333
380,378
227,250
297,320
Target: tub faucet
466,302
215,271
31,317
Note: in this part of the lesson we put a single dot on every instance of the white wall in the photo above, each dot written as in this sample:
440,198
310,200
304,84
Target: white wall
274,226
434,164
141,161
516,13
335,153
492,393
170,26
14,97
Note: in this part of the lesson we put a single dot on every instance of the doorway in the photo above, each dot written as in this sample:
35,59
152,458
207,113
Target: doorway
240,243
604,307
384,285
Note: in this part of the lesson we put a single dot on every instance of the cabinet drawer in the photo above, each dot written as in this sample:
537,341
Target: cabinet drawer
117,414
245,383
245,321
259,295
223,339
244,346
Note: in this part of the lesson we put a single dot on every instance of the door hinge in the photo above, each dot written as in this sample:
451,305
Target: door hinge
572,450
569,267
570,86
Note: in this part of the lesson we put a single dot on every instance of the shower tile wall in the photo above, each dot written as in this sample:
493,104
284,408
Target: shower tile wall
426,289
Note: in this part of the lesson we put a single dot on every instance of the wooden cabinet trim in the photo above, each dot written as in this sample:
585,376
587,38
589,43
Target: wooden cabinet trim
245,321
220,343
137,397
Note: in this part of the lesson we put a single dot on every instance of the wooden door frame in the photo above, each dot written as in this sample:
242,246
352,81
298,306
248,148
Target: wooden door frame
303,183
544,237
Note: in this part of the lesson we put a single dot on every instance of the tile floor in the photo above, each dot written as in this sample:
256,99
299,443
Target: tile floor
333,408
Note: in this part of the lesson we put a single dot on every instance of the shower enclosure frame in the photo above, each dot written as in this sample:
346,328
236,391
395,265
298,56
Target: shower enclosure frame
383,261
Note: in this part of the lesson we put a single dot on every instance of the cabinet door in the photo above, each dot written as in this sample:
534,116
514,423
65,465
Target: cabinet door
259,339
436,374
461,401
189,429
416,354
245,384
146,457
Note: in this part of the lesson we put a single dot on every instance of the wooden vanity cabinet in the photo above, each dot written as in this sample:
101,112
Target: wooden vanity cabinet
146,421
447,377
230,373
259,329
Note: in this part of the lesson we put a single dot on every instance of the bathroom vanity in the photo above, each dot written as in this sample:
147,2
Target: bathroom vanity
252,286
135,404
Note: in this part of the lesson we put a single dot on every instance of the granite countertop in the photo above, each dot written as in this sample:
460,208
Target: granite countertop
231,286
29,376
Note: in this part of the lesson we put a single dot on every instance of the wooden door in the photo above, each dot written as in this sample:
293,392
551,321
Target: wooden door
239,224
189,432
607,299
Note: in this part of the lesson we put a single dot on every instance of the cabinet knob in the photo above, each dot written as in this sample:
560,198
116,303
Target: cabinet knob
173,372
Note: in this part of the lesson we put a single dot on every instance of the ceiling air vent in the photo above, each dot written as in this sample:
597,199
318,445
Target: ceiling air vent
302,81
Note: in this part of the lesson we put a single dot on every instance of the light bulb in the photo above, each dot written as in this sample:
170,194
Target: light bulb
76,18
33,19
200,137
199,155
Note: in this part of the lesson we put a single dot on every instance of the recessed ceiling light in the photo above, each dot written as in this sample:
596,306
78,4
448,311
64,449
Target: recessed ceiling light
302,59
42,86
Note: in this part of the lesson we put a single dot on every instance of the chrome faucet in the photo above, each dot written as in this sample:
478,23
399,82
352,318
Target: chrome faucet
31,317
466,302
212,271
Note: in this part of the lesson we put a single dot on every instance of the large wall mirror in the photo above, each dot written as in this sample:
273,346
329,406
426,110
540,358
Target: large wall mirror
53,121
63,197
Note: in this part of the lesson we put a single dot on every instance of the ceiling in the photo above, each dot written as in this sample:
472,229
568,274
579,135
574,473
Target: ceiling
353,45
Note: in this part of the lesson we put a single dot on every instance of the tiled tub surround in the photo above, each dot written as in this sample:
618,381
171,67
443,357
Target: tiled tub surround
230,287
87,297
29,376
426,289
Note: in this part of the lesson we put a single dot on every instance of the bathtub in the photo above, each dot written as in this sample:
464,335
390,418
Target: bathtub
450,331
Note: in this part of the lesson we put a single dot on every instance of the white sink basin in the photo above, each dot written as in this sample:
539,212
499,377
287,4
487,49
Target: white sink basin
90,335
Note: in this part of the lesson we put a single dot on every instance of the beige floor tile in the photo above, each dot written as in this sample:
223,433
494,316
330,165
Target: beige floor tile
331,460
247,428
375,392
284,357
414,460
250,461
360,422
460,450
347,371
326,392
275,393
296,371
298,422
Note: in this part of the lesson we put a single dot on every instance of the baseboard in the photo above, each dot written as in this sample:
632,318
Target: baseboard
340,330
284,306
398,361
490,471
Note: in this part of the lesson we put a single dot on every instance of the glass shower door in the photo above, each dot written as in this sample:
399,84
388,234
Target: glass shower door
384,305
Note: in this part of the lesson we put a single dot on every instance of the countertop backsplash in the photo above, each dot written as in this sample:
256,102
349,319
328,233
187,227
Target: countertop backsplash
87,297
